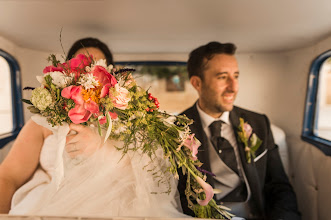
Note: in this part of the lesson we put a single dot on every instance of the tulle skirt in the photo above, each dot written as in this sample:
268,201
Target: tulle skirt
105,184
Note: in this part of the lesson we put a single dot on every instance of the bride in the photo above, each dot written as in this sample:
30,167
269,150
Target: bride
70,170
78,175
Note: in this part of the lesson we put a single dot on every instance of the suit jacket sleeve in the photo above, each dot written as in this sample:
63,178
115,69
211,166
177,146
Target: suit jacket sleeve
279,195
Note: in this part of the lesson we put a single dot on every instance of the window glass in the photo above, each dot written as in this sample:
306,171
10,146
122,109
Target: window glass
11,108
6,111
323,113
317,118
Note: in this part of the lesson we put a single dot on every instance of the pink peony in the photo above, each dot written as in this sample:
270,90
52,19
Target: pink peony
49,69
112,115
74,93
193,144
79,114
102,75
122,99
83,110
208,191
92,107
74,65
105,79
105,90
79,62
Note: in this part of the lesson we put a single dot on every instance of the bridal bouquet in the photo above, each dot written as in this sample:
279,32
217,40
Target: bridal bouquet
88,92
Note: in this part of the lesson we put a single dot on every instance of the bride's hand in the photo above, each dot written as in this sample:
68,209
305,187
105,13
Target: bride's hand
82,141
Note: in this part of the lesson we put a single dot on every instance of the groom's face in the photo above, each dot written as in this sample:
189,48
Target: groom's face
219,85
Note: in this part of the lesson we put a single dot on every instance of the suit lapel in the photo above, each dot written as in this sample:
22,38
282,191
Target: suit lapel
249,168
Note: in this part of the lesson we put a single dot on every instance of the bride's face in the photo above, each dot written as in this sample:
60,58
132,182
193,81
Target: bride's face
95,52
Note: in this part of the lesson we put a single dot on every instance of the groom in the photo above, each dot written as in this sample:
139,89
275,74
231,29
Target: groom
258,189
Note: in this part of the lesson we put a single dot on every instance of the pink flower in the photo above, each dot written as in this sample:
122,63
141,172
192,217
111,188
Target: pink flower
92,107
122,99
79,62
105,90
49,69
105,79
208,191
83,110
193,144
79,114
102,75
75,65
74,93
112,115
247,130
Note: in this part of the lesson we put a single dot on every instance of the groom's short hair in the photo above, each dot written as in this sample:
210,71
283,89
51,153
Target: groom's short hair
199,57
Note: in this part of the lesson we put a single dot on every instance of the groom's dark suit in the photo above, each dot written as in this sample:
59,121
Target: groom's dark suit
271,192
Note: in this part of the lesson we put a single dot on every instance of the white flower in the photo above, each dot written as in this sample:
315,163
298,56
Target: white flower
170,120
60,80
101,62
41,79
88,81
41,98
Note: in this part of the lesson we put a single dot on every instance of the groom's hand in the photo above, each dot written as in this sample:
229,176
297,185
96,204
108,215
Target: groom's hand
82,141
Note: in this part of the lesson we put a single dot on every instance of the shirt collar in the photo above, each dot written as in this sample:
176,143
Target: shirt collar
206,119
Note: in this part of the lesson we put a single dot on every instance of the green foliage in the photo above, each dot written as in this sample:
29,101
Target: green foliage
27,101
52,58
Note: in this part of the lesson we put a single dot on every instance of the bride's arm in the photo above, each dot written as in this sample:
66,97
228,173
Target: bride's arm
21,162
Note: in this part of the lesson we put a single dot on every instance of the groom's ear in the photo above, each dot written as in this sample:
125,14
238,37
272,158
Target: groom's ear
196,83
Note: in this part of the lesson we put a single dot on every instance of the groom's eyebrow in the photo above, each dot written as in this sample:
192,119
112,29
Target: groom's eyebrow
220,73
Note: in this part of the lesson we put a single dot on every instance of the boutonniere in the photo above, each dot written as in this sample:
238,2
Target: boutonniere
251,141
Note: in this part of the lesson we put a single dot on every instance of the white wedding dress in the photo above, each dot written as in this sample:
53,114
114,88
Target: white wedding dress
102,185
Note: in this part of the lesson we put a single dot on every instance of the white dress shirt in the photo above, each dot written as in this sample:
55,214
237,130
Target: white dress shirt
227,179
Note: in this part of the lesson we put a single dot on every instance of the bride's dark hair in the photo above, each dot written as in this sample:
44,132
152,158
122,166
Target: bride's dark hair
91,42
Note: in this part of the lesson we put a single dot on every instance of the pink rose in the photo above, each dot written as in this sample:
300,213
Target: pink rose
208,191
79,114
193,144
122,99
